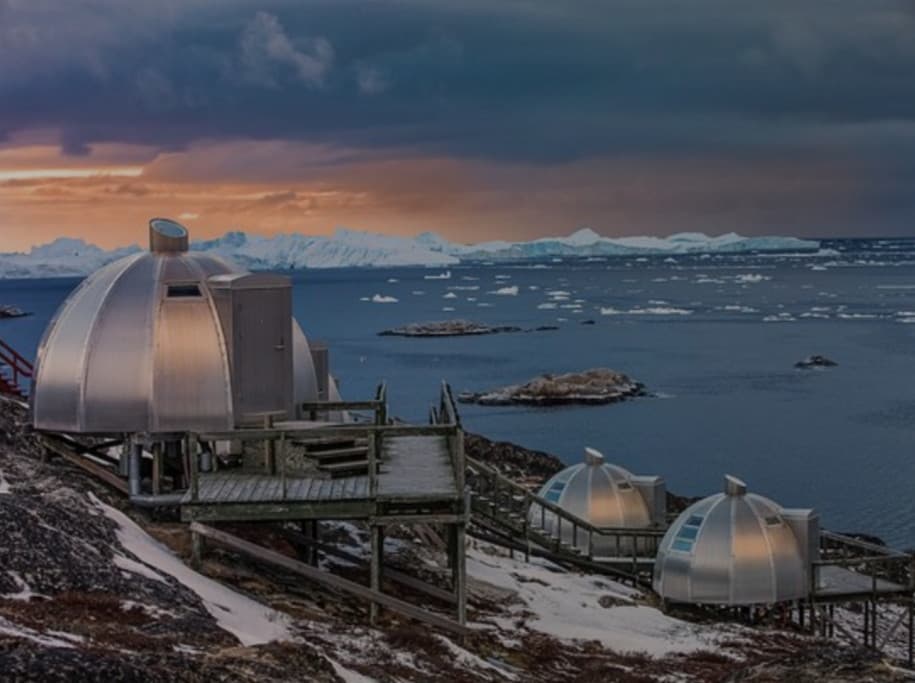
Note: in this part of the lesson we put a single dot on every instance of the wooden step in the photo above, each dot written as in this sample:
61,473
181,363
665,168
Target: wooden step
339,454
341,469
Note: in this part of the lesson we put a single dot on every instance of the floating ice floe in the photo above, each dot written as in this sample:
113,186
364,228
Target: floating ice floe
448,308
735,308
450,295
441,276
649,310
383,299
507,291
857,316
547,305
392,280
750,278
779,318
464,288
417,292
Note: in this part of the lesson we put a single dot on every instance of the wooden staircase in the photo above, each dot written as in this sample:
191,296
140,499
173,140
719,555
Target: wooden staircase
15,372
504,511
340,457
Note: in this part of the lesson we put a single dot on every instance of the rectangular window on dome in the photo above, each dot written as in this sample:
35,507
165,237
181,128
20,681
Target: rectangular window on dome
183,291
682,546
773,520
624,486
555,491
686,534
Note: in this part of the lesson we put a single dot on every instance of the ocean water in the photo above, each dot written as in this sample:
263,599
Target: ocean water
714,339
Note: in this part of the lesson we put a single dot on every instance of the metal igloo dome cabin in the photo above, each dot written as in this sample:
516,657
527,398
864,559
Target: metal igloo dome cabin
737,548
604,495
170,340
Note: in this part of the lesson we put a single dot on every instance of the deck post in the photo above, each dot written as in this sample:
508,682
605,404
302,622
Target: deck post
372,448
124,459
911,625
157,469
133,477
269,454
196,549
460,573
377,534
193,464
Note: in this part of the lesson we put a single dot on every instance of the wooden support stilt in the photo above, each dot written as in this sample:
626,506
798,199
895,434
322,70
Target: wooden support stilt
460,574
157,469
911,628
377,532
196,549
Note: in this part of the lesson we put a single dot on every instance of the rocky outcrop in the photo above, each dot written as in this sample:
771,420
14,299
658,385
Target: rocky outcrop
815,361
447,328
7,311
597,386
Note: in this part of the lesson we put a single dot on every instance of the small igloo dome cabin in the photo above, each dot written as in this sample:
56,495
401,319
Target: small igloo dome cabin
604,495
171,340
737,548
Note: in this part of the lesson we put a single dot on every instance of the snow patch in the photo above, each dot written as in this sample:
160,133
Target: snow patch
249,621
384,299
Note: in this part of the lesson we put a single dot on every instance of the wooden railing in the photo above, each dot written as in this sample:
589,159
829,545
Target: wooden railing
501,500
20,368
876,562
276,438
378,405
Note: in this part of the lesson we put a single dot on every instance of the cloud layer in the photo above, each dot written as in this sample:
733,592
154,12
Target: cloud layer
700,99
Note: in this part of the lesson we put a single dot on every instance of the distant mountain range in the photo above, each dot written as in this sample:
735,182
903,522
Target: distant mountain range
352,248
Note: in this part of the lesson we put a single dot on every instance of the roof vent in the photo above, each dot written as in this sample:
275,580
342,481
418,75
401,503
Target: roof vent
734,486
167,236
593,457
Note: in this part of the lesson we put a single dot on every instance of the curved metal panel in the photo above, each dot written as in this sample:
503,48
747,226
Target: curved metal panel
58,383
731,549
190,382
118,373
599,493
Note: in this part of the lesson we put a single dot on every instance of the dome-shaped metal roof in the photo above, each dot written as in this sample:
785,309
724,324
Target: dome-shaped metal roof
139,346
604,495
736,548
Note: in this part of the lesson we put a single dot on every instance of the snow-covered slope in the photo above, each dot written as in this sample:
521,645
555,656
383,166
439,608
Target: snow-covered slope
352,248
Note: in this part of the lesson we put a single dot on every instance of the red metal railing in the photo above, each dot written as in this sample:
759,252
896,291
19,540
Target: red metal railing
20,368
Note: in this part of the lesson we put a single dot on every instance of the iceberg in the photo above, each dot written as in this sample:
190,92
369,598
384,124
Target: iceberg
347,248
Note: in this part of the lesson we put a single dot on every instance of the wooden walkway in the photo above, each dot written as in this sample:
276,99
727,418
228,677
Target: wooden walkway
239,487
416,467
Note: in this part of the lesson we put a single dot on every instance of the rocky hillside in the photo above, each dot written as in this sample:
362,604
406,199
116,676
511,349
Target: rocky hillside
91,591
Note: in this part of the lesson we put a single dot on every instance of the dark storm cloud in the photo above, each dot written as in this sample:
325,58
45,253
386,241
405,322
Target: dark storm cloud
529,80
534,81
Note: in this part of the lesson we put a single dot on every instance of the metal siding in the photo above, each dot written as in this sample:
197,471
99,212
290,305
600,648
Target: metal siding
262,350
191,383
709,576
305,381
58,385
118,375
736,559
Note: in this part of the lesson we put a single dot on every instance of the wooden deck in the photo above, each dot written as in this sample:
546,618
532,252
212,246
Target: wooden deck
417,474
839,582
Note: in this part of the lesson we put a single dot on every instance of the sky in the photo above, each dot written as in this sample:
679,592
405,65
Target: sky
478,120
